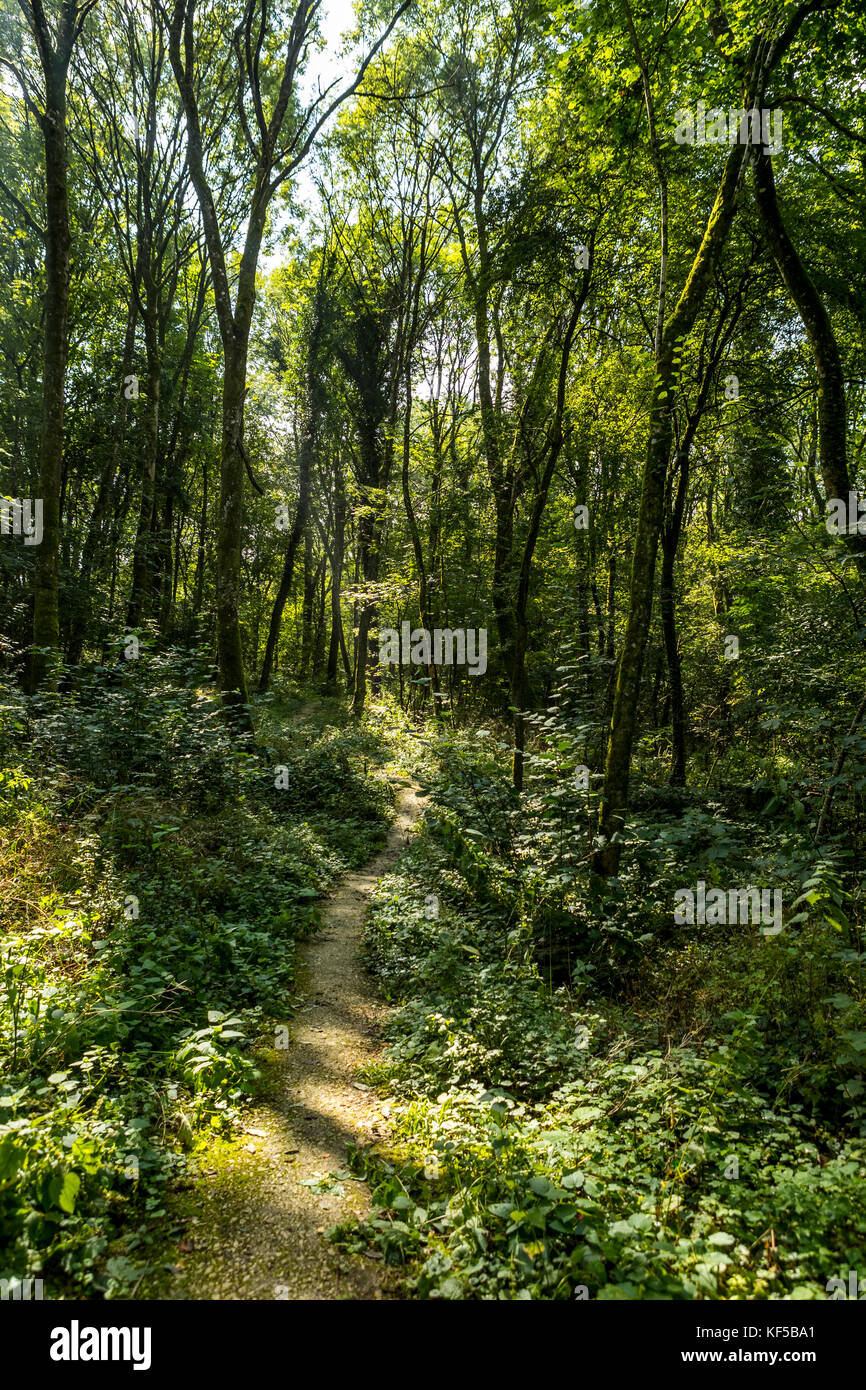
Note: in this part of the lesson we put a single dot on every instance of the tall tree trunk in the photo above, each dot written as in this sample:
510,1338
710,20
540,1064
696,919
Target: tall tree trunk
143,557
336,583
94,541
675,677
518,682
305,456
164,576
763,56
313,405
368,550
614,801
832,408
228,551
424,615
310,579
498,473
319,638
198,588
671,532
46,594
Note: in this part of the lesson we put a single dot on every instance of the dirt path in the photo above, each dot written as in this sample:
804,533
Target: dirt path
256,1231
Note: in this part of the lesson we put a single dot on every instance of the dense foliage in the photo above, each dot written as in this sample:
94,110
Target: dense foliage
664,1112
158,885
496,378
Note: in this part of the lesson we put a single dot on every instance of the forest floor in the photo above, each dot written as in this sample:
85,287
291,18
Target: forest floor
482,1078
255,1223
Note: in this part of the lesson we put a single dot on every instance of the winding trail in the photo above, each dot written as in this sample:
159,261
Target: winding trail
256,1231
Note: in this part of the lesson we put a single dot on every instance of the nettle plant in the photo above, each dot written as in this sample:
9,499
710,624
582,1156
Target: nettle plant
210,1058
823,913
153,723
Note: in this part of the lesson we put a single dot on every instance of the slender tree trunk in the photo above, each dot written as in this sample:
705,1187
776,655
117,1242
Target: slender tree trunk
165,567
299,524
368,549
610,633
518,681
198,589
499,475
667,601
167,627
46,594
143,558
310,579
235,322
675,678
228,551
614,800
312,410
583,638
90,559
319,638
336,582
832,408
763,57
424,614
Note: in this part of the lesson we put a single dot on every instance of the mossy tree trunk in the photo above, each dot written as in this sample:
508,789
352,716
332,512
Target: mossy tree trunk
756,68
614,800
832,405
54,52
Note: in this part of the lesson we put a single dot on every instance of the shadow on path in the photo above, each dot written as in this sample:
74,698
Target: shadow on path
255,1230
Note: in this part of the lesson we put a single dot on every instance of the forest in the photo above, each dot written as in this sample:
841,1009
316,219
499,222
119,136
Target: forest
433,603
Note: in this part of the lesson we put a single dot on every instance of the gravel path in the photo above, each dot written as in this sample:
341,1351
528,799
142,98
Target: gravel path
256,1231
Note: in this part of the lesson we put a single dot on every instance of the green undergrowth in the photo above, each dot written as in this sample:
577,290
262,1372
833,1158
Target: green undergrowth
155,883
661,1111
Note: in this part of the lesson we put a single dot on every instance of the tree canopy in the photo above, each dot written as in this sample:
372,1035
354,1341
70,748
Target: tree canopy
494,373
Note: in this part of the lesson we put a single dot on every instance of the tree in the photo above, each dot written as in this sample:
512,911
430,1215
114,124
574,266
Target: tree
754,66
277,137
54,43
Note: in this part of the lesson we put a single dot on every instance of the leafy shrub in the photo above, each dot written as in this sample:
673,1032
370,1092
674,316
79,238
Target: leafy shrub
153,896
682,1122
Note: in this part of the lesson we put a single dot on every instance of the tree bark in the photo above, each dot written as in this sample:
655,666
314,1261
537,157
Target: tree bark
143,557
336,639
198,588
424,614
832,407
228,550
368,550
764,55
92,545
41,665
670,544
614,799
309,429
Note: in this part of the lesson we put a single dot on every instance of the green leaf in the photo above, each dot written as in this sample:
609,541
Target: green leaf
11,1158
68,1192
620,1228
